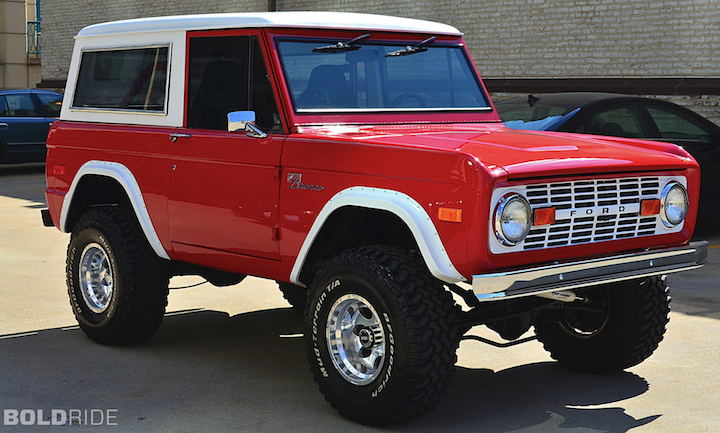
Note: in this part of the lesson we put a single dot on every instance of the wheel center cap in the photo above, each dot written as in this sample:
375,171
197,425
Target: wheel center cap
366,338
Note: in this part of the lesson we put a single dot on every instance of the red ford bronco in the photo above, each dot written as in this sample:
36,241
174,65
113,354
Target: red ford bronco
359,162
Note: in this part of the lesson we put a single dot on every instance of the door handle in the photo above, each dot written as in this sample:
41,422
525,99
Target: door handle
174,136
3,125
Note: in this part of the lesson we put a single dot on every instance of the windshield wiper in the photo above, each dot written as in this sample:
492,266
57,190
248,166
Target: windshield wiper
342,46
419,48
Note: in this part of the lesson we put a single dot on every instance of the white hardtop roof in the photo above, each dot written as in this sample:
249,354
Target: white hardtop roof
321,20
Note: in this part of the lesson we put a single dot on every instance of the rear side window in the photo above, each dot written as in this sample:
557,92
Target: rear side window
51,102
124,79
676,125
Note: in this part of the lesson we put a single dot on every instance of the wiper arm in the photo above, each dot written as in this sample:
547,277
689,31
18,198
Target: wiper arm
342,46
419,48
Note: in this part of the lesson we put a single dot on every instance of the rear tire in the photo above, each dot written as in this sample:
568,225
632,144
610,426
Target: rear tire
627,331
381,335
118,287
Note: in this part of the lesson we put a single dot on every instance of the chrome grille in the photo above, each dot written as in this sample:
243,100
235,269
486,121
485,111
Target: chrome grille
591,211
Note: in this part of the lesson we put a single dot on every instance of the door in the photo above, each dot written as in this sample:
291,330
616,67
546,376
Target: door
23,130
225,185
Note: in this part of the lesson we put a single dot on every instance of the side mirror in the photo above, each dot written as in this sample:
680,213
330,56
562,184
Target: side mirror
243,121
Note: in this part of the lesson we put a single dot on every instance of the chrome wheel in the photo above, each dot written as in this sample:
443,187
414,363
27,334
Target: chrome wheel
355,339
96,278
587,324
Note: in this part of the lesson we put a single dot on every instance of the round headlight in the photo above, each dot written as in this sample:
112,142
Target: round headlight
674,204
513,219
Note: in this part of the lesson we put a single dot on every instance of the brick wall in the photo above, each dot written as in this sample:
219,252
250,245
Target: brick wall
507,38
569,38
62,19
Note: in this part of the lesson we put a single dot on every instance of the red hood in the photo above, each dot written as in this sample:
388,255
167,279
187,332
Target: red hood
524,153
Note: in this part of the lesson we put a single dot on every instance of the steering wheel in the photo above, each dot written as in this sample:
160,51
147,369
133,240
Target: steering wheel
397,101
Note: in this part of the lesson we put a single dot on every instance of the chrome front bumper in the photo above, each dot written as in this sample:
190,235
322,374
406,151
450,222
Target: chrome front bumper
577,275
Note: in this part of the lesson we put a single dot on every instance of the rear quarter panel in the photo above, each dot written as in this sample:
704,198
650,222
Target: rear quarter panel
143,150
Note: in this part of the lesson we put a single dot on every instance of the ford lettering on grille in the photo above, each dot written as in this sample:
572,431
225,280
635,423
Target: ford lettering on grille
597,210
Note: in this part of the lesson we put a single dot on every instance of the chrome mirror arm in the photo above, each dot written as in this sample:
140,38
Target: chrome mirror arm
243,121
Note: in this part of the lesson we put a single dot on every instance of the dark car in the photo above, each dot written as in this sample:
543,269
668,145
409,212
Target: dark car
625,116
25,117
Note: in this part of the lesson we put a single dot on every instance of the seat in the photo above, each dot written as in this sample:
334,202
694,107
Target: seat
223,89
612,129
327,88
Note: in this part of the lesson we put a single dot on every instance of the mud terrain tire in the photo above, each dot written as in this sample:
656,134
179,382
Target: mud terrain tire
381,335
626,332
118,287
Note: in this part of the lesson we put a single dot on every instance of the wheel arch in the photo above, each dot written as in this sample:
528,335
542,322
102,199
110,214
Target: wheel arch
100,183
346,221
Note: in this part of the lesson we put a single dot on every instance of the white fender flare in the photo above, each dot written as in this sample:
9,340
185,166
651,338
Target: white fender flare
125,178
401,205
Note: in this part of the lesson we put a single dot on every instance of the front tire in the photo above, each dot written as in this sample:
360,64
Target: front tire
625,329
118,287
296,296
381,335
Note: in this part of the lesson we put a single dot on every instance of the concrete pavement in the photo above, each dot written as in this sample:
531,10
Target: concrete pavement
232,359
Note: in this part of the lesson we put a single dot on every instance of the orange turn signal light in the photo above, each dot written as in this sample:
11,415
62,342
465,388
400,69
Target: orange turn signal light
544,216
450,215
650,207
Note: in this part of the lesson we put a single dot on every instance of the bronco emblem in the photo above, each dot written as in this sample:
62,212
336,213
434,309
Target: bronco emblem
295,181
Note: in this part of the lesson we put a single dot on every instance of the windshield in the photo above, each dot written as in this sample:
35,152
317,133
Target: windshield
538,115
366,79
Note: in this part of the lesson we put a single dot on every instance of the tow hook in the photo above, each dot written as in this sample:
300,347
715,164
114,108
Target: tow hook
563,296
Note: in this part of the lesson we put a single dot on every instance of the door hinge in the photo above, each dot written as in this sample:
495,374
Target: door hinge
276,233
278,172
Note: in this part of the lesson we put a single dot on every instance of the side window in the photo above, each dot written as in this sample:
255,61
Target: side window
17,105
617,121
51,102
228,74
676,125
123,79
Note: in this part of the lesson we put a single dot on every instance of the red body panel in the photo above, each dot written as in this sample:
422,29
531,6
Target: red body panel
432,177
238,192
142,149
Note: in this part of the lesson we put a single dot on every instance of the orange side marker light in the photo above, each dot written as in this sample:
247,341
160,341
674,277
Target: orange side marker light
450,215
